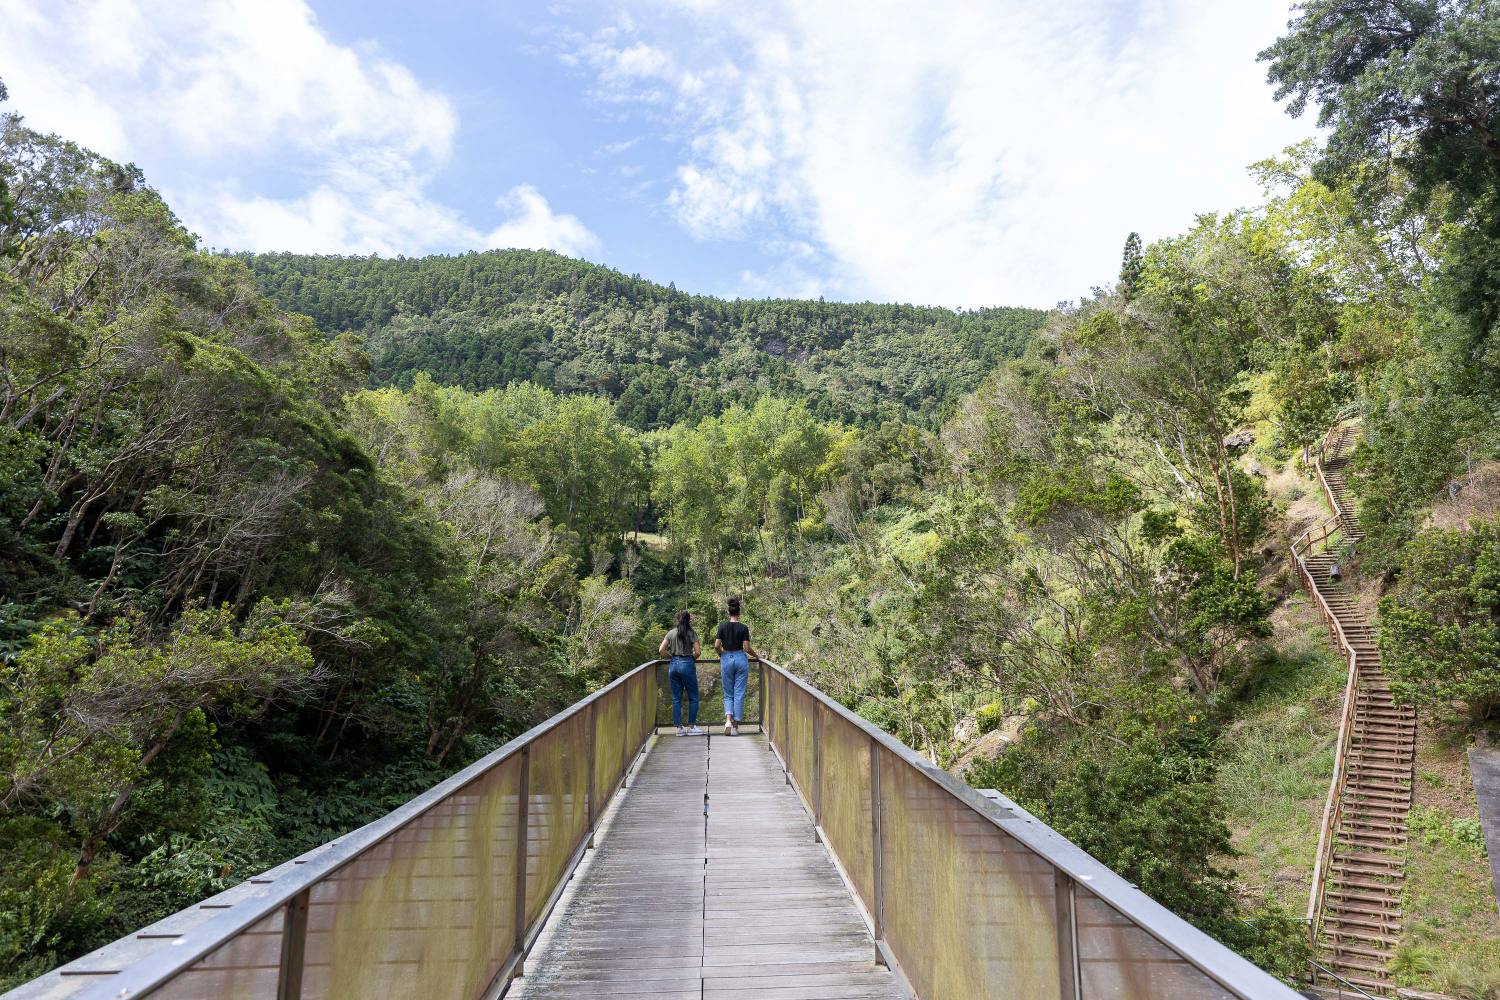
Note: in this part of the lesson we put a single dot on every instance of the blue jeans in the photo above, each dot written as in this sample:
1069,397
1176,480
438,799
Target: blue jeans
734,674
683,675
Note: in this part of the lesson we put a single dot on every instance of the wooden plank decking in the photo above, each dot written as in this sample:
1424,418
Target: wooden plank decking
736,902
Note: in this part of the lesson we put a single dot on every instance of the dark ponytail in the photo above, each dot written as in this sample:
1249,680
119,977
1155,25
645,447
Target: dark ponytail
734,606
685,625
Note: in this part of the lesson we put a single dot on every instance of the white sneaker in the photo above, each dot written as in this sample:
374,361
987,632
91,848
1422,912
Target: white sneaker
734,730
693,731
681,731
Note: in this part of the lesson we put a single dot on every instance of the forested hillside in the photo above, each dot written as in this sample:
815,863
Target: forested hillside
265,576
488,320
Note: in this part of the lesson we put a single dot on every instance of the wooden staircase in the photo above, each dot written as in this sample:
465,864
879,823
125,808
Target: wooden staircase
1354,911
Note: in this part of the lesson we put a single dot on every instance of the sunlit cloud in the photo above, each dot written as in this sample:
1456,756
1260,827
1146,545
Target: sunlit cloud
950,152
283,139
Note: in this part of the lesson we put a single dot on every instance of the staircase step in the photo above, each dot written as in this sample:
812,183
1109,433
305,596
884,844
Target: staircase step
1363,982
1360,780
1384,921
1367,841
1380,741
1359,796
1385,713
1378,766
1398,759
1367,862
1358,883
1399,762
1369,870
1346,934
1340,963
1383,825
1369,952
1380,840
1369,902
1373,811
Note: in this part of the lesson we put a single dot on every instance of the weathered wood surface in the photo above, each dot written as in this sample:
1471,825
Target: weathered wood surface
738,903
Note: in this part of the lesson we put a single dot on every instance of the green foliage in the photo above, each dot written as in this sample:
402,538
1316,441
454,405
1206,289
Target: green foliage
488,320
1219,611
762,474
1411,93
1437,826
1146,807
243,606
990,717
42,915
1440,630
1415,79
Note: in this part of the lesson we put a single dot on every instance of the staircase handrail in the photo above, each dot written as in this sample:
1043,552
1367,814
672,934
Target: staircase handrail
1333,805
1341,427
1342,981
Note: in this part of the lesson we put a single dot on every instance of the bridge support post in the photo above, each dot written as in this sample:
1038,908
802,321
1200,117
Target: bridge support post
293,947
1067,936
523,787
760,707
786,734
766,718
817,781
877,908
593,791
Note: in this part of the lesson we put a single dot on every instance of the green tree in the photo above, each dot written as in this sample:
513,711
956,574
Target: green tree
89,718
1408,85
1132,267
589,469
1411,95
1440,630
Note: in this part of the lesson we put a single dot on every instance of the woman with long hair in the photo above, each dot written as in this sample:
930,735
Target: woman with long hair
682,644
733,646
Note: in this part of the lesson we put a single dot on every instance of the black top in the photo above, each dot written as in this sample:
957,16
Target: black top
733,636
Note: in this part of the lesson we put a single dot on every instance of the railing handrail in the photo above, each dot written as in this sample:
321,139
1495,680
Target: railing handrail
1341,979
153,970
1333,804
1230,970
1213,960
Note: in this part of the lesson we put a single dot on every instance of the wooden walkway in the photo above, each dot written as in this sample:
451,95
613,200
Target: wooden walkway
706,882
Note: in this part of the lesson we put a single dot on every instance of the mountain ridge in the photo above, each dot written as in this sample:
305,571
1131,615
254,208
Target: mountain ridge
487,319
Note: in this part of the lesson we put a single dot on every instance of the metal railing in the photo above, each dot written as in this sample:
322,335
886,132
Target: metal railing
441,898
1333,441
1334,804
1342,982
709,693
1321,535
967,894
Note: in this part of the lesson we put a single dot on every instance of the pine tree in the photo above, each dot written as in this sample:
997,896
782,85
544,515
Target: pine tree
1132,267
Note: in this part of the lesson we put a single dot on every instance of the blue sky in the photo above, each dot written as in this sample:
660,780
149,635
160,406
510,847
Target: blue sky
950,152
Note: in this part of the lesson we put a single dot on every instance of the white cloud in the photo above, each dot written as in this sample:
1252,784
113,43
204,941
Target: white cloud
316,146
536,227
613,148
952,152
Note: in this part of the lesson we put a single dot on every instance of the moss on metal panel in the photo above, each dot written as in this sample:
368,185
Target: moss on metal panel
967,906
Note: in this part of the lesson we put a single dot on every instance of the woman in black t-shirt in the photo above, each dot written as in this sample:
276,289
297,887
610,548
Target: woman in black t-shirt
733,646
